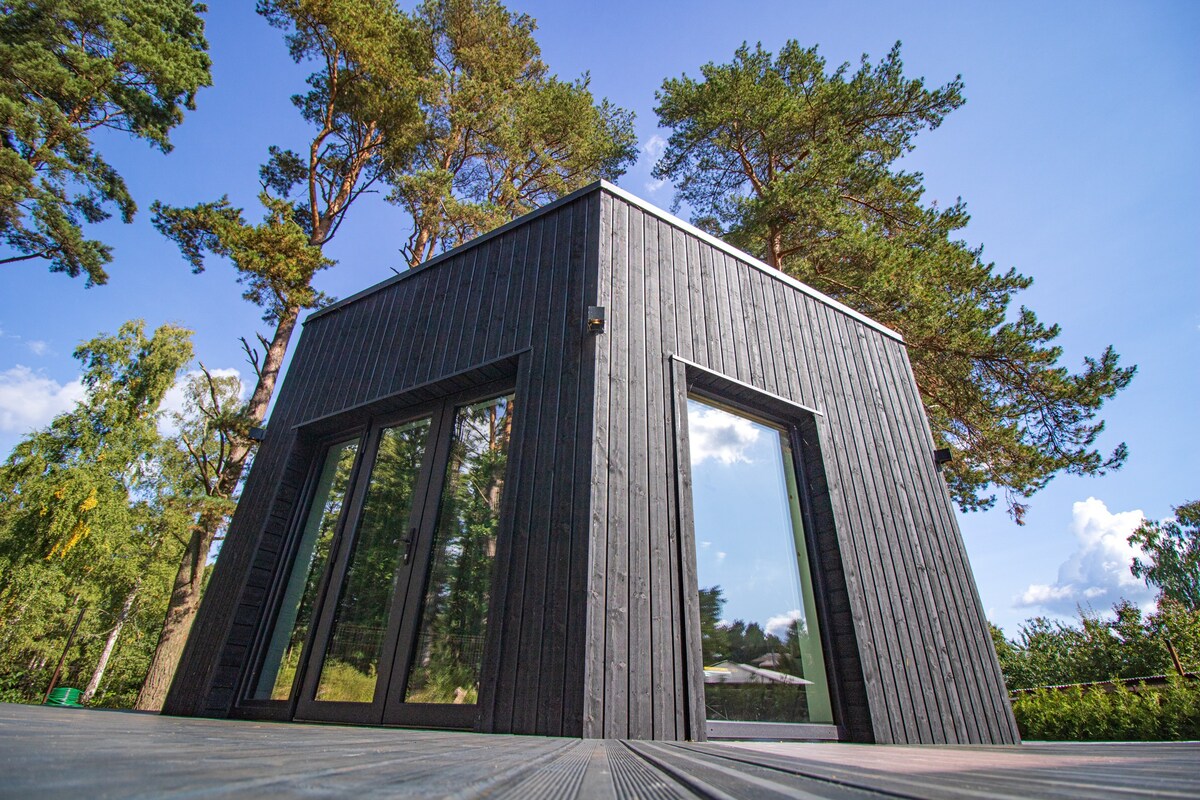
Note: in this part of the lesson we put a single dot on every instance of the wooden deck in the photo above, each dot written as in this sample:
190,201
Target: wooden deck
59,752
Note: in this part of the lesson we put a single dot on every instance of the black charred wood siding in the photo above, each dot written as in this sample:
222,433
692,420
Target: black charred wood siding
909,643
476,314
594,603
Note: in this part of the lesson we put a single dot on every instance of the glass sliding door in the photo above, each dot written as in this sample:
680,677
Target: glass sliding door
355,645
391,584
759,631
295,616
448,654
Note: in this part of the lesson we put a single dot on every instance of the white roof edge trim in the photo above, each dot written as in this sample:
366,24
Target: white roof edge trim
666,216
478,240
644,205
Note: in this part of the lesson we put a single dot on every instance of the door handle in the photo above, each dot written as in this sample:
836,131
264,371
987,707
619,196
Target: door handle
407,541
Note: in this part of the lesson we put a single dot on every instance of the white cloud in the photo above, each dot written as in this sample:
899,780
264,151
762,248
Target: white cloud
37,347
655,146
779,624
720,436
721,556
29,400
653,186
1097,573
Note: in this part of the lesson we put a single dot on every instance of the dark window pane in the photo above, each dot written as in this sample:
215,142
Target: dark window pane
349,670
295,613
759,631
454,614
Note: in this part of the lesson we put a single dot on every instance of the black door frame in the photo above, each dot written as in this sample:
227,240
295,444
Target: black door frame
307,707
387,706
687,379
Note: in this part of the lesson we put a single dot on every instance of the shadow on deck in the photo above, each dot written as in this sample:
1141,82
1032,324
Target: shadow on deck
60,752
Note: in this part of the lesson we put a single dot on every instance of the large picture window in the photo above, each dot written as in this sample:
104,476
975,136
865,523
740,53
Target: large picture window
312,556
759,632
384,614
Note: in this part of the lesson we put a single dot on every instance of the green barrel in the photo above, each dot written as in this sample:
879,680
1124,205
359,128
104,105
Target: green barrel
64,696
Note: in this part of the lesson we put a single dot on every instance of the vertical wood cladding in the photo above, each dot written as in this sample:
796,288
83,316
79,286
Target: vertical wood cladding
476,314
591,609
895,577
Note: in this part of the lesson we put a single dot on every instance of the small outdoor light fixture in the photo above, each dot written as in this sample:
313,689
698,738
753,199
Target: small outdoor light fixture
942,456
595,319
257,434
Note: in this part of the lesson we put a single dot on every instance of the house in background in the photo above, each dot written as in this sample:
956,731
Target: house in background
556,480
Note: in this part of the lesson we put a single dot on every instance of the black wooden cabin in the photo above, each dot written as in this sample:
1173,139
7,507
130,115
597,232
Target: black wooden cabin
598,474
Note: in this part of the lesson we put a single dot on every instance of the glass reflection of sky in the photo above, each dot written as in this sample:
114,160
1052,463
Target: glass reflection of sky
742,517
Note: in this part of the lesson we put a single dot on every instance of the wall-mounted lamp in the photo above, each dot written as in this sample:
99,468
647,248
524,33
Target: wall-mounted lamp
257,434
942,456
595,319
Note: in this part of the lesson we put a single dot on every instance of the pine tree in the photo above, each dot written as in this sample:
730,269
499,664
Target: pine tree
798,166
360,101
69,68
500,136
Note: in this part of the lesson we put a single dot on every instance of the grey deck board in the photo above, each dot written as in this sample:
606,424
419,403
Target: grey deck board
56,752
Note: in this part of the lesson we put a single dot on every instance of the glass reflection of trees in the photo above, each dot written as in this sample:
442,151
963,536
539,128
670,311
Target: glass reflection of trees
764,696
349,669
453,627
746,506
299,598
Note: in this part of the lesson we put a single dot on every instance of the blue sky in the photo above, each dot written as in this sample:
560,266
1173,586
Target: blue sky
1076,153
744,526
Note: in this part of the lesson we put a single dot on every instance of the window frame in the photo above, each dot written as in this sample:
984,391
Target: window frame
313,443
692,380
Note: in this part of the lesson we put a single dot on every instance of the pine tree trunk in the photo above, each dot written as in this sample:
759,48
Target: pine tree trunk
110,644
189,580
421,243
775,249
181,611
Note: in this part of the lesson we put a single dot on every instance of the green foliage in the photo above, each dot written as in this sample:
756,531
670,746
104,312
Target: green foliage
798,166
349,683
1095,650
1172,550
67,69
275,259
761,702
1169,713
213,419
362,100
714,642
499,136
1130,645
89,514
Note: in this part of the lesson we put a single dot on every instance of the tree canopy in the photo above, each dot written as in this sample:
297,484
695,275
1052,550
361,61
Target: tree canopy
1172,555
69,68
91,513
1130,644
798,165
500,136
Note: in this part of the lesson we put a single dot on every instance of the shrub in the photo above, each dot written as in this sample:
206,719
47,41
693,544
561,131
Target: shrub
1169,712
